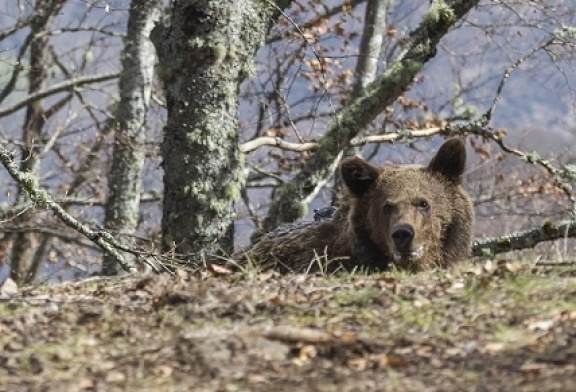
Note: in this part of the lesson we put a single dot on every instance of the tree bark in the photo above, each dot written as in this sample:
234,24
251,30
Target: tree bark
135,85
290,201
370,45
204,54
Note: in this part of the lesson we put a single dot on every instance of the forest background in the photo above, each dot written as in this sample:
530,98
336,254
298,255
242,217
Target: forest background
232,119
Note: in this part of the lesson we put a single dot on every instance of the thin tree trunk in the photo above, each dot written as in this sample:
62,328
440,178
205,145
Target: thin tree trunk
370,45
204,54
290,201
124,179
24,244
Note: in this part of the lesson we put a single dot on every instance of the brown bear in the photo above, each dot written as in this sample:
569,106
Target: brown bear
409,217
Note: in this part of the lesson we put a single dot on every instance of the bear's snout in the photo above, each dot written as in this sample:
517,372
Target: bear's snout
402,237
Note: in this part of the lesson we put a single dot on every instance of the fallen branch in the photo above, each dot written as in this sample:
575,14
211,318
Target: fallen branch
306,335
549,231
40,197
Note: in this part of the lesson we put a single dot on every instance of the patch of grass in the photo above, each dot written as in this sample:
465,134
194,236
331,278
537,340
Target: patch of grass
511,338
357,297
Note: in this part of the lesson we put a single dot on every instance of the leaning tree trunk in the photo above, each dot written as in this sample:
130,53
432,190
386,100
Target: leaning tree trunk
204,54
124,179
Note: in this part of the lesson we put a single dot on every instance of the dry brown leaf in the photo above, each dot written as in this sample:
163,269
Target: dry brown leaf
424,350
307,352
494,347
386,280
532,368
393,361
541,325
163,371
218,270
257,379
568,315
348,337
85,383
8,288
182,275
115,376
490,267
359,363
514,267
266,275
275,299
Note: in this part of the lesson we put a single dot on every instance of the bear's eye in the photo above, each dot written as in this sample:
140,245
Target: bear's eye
422,205
387,208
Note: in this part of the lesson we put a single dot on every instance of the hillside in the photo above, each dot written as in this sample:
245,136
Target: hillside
495,327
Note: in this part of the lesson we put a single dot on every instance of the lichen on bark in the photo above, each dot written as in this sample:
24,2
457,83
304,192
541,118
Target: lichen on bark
204,53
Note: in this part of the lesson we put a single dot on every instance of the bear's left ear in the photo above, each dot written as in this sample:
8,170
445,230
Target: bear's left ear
358,175
450,160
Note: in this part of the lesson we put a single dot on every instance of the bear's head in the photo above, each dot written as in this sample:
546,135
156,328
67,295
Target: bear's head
404,212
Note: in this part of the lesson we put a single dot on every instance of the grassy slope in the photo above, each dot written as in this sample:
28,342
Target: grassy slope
471,329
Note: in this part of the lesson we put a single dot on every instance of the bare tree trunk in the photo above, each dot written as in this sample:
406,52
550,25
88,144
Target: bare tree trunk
204,54
24,244
370,45
124,180
290,201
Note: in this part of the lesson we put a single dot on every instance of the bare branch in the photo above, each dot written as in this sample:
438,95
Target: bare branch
512,68
277,142
549,231
19,25
478,128
17,68
58,88
270,141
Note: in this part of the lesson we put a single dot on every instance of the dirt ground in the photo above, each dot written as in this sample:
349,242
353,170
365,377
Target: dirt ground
487,327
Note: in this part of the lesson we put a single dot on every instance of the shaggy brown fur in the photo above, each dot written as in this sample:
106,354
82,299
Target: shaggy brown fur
411,217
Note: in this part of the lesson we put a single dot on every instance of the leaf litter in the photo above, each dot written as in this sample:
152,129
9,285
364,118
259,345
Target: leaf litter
484,327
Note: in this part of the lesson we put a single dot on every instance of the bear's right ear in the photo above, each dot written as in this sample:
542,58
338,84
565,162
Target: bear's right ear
358,175
450,160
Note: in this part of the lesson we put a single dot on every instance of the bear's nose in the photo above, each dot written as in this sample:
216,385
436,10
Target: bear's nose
403,236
